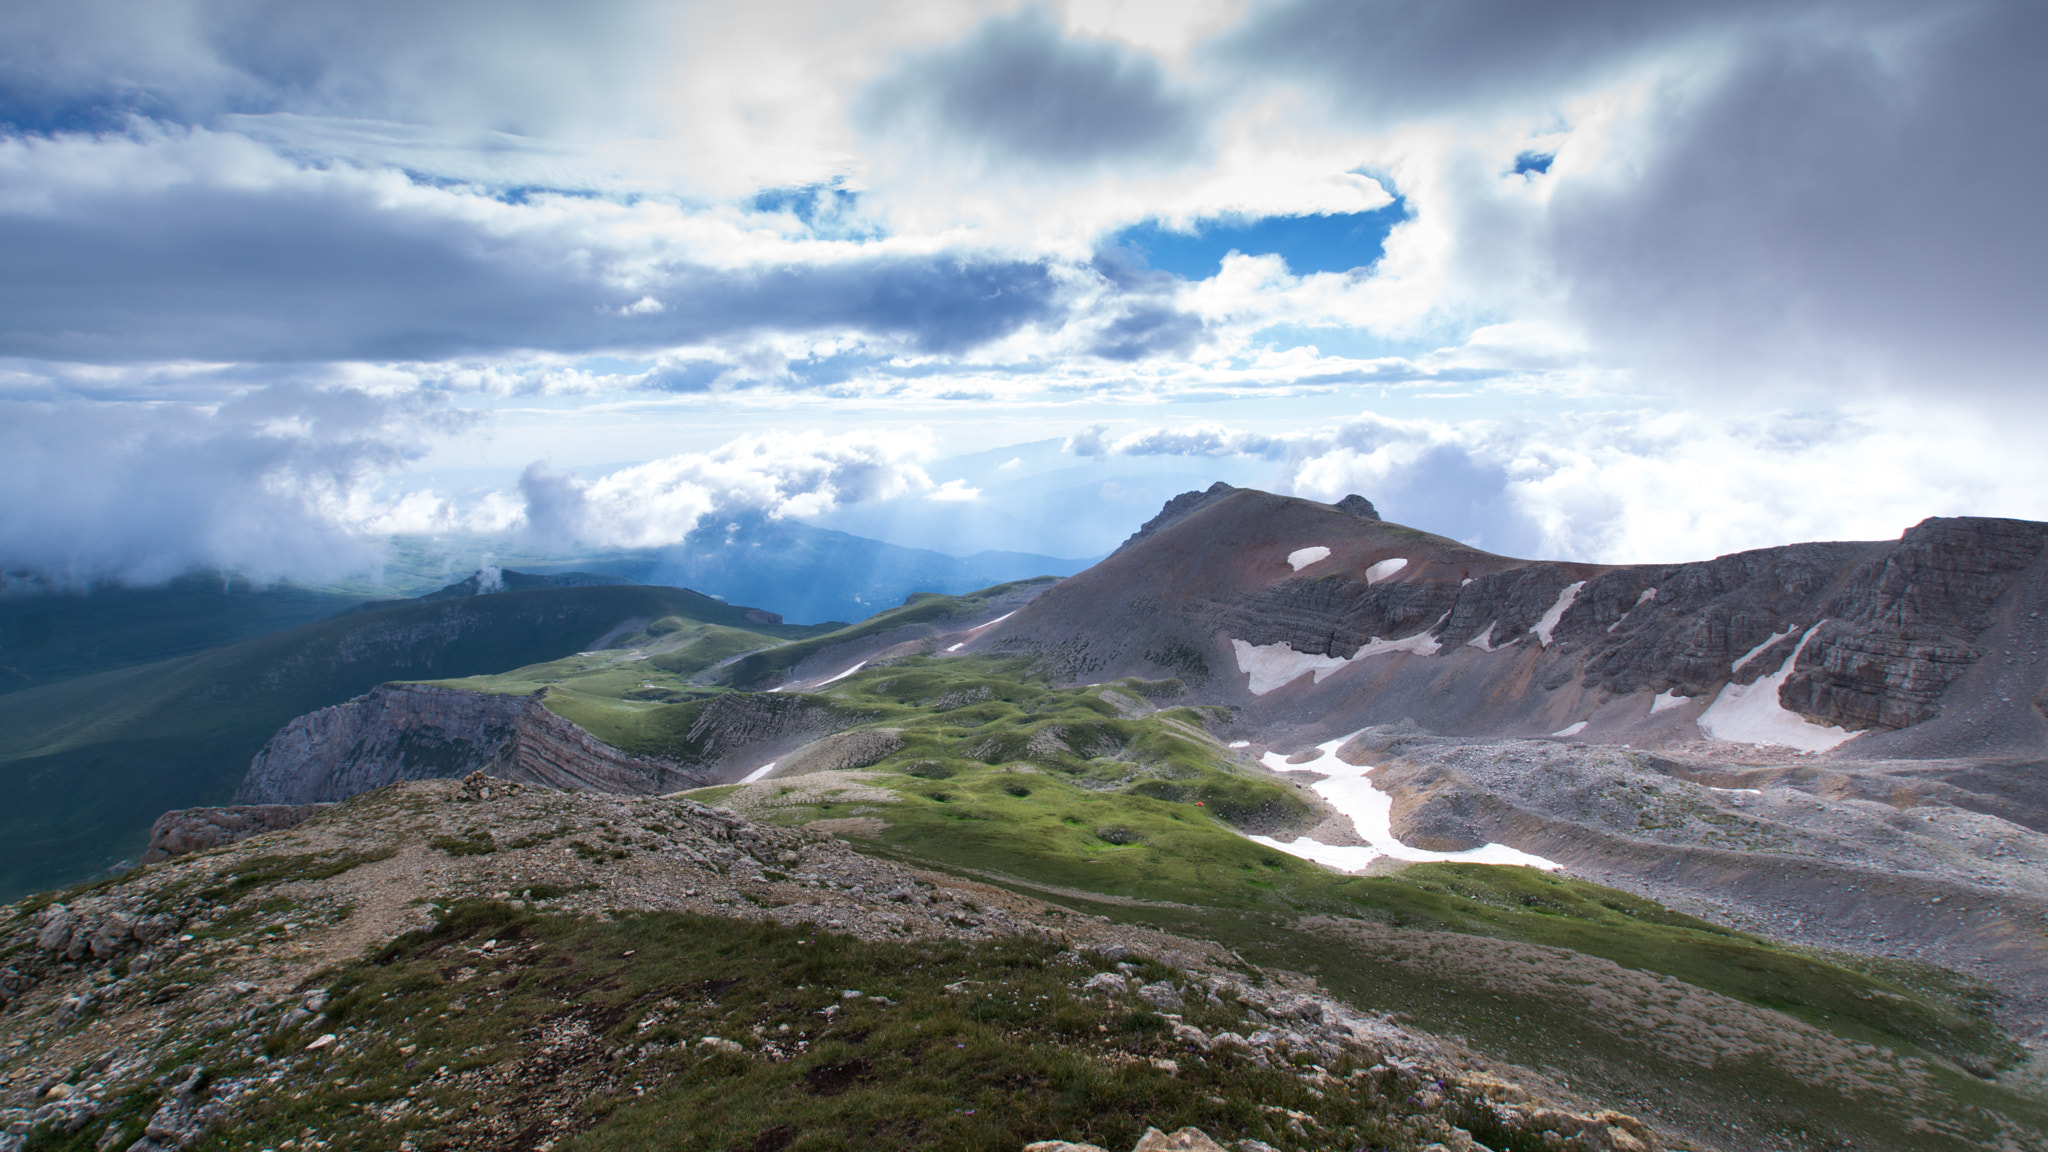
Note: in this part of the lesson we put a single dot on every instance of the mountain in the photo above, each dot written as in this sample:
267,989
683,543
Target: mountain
1305,615
1753,849
813,574
88,762
49,634
783,566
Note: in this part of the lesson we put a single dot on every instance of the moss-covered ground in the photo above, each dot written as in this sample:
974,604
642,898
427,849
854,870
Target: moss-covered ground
589,1033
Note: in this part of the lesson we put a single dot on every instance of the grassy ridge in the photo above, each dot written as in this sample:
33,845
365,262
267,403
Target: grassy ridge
1157,814
90,762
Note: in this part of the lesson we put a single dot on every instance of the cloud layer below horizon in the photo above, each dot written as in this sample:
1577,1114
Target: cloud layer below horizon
1659,281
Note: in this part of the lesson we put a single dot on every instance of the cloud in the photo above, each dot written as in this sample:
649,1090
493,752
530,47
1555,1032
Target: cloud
776,474
164,245
1644,486
271,483
1019,91
1204,439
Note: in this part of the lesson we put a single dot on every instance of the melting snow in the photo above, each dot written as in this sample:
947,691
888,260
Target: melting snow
1548,624
843,675
1384,569
757,773
1666,701
1751,714
1571,729
1371,812
1303,557
1484,641
1757,651
1648,594
1273,665
1240,743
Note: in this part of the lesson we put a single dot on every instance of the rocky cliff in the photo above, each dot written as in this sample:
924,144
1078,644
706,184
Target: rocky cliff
424,732
421,732
1261,592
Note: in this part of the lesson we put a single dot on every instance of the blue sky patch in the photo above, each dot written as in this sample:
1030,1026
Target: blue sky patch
1334,243
1537,162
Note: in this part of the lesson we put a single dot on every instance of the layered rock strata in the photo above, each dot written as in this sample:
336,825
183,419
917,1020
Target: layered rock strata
420,732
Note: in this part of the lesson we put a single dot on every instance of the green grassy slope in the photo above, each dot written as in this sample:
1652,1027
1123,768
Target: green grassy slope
51,636
1145,811
89,762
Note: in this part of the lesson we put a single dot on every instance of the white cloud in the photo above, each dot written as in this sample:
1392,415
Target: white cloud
776,474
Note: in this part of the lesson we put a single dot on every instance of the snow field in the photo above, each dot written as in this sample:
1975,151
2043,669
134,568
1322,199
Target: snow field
1751,714
1757,651
1548,623
1666,701
1303,557
1572,729
760,772
1273,665
1371,812
1384,569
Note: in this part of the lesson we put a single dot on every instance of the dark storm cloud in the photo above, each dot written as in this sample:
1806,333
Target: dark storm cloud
1386,59
1019,89
1836,206
324,270
1818,191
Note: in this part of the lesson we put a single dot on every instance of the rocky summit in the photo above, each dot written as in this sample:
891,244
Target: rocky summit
1283,827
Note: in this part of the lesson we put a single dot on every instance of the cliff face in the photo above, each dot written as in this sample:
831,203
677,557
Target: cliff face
1472,641
418,732
422,732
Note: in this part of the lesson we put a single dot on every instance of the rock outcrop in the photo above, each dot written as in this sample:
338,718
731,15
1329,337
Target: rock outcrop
185,830
421,732
425,732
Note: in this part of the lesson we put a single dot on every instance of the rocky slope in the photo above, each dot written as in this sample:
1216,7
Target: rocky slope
1289,607
392,973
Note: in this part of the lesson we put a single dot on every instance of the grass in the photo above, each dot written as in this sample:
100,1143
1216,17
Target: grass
90,762
1158,818
1012,1054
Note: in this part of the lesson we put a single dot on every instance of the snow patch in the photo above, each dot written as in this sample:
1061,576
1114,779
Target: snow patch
843,675
1484,641
1384,569
1273,665
1751,714
1753,653
1348,790
1648,594
1565,599
1303,557
1465,581
1240,743
1572,729
758,773
1666,701
956,647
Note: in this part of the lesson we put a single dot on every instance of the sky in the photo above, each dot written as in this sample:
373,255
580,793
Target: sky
1588,279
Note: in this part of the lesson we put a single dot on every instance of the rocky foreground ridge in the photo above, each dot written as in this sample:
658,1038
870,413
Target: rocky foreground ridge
227,998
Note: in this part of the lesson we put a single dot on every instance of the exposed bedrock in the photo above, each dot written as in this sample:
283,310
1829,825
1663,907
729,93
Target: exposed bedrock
1894,624
420,732
185,830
